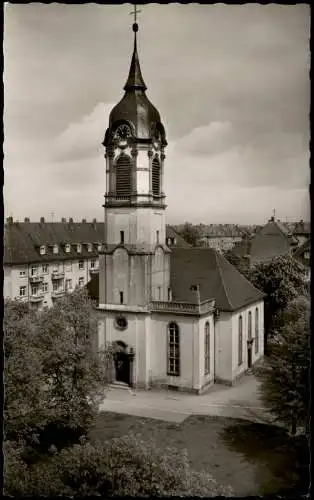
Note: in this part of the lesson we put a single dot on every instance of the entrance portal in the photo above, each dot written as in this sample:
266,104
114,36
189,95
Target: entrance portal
122,363
249,357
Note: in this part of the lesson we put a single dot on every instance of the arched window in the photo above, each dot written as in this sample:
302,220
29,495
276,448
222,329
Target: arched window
123,176
240,346
207,348
256,330
250,326
156,177
173,349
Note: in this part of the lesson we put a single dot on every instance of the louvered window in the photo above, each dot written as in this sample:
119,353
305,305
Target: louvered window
123,176
156,177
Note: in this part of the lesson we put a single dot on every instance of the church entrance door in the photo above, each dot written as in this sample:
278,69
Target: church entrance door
122,363
249,356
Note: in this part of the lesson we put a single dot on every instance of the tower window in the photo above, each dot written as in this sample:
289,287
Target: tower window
157,236
121,297
123,176
173,349
121,236
156,177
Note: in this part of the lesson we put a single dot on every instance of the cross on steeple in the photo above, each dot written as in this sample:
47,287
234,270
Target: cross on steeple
135,12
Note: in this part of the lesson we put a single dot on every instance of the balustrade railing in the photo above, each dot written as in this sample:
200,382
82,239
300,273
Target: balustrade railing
183,307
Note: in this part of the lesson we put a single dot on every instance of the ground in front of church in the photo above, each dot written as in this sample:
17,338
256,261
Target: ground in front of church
226,432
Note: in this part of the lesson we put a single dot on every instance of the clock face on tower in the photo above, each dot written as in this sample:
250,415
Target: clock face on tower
122,133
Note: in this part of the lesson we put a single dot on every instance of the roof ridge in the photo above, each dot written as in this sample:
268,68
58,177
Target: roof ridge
221,278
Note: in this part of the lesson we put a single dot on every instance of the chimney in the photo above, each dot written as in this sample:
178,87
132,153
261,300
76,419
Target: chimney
26,219
94,223
70,220
42,220
10,220
63,219
84,221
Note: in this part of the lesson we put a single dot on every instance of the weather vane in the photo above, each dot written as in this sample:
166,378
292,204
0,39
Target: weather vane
135,12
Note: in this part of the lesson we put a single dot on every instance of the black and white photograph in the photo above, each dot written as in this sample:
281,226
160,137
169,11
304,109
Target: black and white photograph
156,250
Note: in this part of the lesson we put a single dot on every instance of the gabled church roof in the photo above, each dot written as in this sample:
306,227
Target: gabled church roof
214,275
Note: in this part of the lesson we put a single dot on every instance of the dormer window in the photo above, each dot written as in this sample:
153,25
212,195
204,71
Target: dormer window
79,248
67,248
55,249
89,247
42,250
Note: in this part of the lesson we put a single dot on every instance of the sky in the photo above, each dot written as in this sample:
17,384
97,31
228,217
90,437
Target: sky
231,84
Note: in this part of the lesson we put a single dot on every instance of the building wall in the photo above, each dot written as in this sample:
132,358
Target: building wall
140,225
236,369
220,243
141,277
223,347
147,334
19,276
136,335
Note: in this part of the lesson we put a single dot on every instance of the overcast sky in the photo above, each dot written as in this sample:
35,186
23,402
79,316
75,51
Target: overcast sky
231,84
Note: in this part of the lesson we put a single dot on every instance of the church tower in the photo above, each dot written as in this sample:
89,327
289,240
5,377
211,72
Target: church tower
134,265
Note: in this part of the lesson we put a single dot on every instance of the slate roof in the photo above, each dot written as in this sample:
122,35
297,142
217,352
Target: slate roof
180,242
272,240
23,239
216,277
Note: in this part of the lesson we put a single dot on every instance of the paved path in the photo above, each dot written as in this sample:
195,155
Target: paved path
240,401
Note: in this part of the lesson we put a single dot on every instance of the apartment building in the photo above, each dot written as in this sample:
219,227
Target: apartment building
44,260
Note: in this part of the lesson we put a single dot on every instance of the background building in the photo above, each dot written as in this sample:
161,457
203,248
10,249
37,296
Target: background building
43,260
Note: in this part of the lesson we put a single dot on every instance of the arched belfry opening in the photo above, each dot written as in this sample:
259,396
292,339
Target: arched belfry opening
156,177
123,176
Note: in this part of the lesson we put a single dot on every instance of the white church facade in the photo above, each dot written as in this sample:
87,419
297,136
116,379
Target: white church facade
180,318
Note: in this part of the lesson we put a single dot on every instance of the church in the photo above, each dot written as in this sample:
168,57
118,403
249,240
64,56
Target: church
178,318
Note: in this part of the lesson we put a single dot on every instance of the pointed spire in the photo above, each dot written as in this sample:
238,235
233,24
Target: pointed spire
135,80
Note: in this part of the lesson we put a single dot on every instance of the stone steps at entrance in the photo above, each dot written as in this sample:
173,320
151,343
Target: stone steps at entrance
119,385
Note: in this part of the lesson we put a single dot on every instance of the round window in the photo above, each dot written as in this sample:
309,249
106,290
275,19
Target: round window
121,323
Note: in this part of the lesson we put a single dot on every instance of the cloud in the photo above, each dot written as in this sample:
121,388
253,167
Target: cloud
235,104
82,139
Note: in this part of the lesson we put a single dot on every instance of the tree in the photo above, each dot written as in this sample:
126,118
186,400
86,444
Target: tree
285,376
190,233
25,395
126,466
282,280
54,375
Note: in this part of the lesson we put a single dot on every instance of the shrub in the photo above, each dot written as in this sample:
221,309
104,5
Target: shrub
121,467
